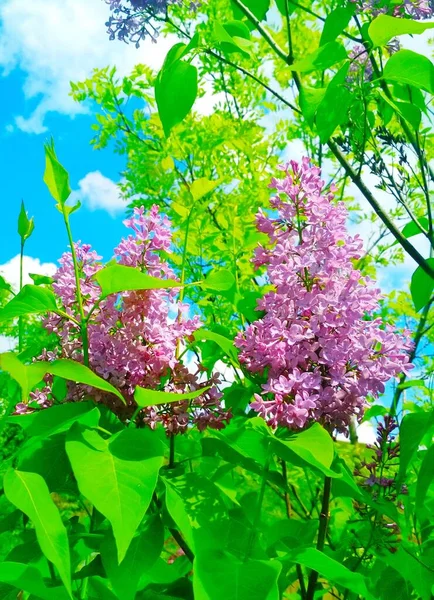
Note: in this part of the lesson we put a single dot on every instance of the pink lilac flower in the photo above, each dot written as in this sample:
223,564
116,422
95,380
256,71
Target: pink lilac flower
133,341
359,62
318,345
416,9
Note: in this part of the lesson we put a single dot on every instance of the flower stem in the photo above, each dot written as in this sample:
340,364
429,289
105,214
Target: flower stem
20,319
83,322
172,451
322,532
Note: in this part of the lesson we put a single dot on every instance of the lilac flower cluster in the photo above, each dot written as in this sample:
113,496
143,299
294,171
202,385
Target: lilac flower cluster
320,351
359,62
416,9
132,338
132,20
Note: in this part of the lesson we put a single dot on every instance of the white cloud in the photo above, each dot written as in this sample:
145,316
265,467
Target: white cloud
54,43
99,192
11,269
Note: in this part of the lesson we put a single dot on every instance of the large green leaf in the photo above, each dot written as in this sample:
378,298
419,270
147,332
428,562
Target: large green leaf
412,228
383,28
412,430
144,550
332,111
425,478
29,579
53,420
334,571
175,92
410,68
324,57
31,300
74,371
56,176
120,278
335,23
233,37
26,377
118,475
29,493
145,397
218,575
422,286
314,446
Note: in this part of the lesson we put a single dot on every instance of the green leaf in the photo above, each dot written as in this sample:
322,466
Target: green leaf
29,579
4,285
29,493
408,111
118,476
334,571
314,446
421,286
310,100
56,177
233,37
26,377
225,344
41,279
412,228
333,111
203,186
412,430
52,420
258,7
175,93
424,479
31,300
411,68
335,23
220,280
74,371
143,552
218,575
25,225
120,278
375,411
412,383
145,397
383,28
323,58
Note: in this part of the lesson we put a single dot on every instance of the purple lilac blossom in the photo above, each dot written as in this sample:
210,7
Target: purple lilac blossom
416,9
318,345
132,338
132,20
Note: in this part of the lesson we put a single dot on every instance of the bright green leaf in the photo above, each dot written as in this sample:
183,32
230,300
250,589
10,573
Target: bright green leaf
203,186
334,571
29,579
412,228
421,286
384,28
56,176
220,280
218,575
143,552
118,476
30,494
25,376
25,225
233,37
4,285
412,430
120,278
333,111
412,383
58,418
41,279
425,478
146,397
31,300
335,23
411,68
323,58
175,93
